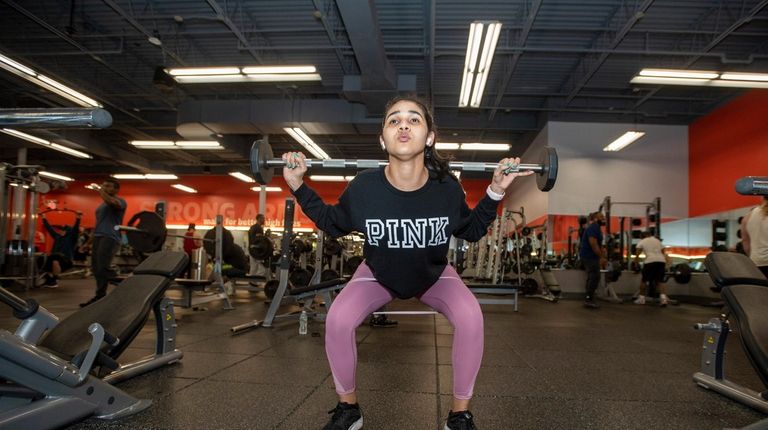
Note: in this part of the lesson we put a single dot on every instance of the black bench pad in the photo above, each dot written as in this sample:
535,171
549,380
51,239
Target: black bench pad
748,305
122,312
731,268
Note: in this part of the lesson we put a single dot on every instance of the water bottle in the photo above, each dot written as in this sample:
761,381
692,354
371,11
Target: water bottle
303,323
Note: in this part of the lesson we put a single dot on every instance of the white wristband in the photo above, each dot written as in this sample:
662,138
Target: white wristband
494,195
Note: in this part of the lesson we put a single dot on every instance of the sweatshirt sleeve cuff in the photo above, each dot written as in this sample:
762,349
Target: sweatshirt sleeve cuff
493,195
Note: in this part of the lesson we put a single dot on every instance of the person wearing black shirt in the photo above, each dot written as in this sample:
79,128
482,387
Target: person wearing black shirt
106,240
408,211
592,256
62,253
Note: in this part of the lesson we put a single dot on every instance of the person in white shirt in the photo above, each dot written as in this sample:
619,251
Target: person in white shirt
754,235
654,267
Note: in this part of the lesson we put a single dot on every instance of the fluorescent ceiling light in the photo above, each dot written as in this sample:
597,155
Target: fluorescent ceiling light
293,77
187,71
241,176
68,150
18,66
305,141
151,176
744,76
485,147
151,143
43,81
476,64
699,82
484,66
446,146
46,143
330,178
184,188
232,74
267,189
701,78
25,136
252,70
214,79
55,176
181,144
201,144
624,140
673,73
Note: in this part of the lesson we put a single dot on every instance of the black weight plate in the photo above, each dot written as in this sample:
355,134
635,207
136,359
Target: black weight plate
227,241
545,179
682,273
328,274
152,236
332,247
300,277
261,151
261,247
351,264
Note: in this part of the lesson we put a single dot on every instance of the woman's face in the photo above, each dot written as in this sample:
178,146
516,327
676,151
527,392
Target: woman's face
405,130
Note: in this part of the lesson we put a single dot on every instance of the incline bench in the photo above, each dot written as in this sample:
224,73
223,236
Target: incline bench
745,292
49,383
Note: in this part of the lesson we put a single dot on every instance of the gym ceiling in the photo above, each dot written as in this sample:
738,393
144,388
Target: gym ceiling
563,60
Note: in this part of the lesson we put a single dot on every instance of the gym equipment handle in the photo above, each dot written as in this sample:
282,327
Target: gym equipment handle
752,185
372,164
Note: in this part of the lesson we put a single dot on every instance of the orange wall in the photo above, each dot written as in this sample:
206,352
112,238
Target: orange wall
216,195
723,146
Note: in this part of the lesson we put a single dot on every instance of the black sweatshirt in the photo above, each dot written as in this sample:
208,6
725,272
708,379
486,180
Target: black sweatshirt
406,232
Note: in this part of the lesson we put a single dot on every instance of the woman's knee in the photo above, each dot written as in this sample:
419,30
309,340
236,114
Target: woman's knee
339,323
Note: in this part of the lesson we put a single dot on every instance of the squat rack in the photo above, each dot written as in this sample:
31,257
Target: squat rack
652,220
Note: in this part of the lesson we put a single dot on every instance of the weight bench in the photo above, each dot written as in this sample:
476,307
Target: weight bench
495,289
190,300
745,293
49,383
306,295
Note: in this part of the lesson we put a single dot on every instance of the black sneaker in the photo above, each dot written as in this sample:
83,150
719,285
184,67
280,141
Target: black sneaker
345,417
381,321
591,304
462,420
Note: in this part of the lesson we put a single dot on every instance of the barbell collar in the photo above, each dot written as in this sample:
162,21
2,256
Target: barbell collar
372,164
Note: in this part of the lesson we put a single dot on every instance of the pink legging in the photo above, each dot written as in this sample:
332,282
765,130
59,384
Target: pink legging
364,295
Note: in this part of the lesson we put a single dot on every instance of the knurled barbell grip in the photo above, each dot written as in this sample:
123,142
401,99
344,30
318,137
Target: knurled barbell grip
372,164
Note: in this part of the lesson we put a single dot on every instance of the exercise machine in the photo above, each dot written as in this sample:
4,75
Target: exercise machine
47,366
744,290
304,295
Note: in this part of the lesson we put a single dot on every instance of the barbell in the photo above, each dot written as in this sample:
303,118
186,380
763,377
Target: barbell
263,164
146,232
681,273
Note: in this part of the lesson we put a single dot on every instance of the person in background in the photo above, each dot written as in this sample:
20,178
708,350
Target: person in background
654,267
754,235
191,243
62,254
256,267
106,240
593,256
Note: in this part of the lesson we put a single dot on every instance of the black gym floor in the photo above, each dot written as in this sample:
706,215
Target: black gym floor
548,366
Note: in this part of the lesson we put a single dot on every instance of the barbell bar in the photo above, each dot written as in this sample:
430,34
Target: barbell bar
263,164
55,118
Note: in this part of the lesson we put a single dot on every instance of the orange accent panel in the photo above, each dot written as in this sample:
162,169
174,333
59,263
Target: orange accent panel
723,146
